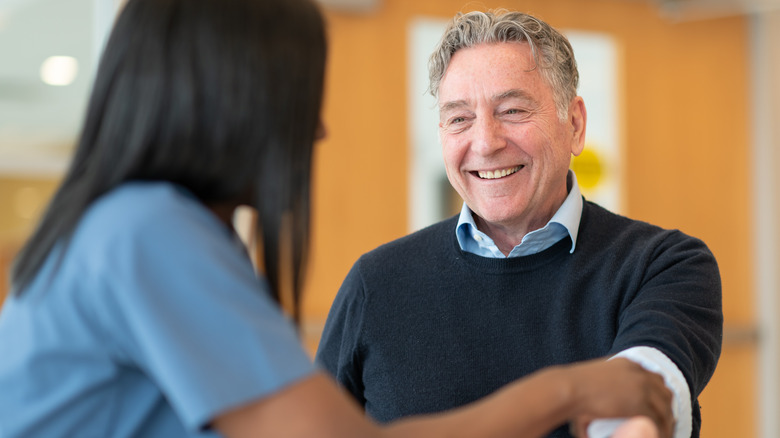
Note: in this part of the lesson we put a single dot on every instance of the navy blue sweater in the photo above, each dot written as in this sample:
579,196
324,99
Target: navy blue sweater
420,326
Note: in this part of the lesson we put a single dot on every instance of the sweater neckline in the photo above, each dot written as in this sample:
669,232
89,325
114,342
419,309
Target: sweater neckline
491,265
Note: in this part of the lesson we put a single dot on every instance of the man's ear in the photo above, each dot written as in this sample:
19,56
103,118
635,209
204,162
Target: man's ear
577,119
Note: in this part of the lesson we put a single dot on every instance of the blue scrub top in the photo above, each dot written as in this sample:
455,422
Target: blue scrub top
150,322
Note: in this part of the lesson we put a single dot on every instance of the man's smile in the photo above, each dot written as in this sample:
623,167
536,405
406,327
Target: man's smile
500,173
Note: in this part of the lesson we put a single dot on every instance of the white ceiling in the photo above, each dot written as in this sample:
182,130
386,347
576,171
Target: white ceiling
39,122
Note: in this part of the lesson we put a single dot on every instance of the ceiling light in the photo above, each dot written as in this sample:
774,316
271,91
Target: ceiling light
59,70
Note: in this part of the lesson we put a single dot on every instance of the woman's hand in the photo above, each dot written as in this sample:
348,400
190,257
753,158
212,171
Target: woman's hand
620,388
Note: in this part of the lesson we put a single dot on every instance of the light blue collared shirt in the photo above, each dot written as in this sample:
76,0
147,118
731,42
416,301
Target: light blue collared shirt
565,221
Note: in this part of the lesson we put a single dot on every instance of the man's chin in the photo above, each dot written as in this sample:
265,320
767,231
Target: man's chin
496,217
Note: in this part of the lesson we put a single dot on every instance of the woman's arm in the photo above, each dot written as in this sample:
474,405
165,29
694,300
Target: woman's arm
529,407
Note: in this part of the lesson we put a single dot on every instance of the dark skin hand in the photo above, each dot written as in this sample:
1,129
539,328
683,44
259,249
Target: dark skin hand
594,387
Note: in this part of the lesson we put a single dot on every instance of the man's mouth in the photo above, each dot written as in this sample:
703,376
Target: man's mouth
494,174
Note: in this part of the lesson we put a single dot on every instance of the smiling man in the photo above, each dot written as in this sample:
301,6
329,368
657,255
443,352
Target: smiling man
530,274
506,150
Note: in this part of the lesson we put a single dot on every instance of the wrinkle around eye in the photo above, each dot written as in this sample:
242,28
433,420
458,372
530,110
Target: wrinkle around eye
455,128
516,115
456,123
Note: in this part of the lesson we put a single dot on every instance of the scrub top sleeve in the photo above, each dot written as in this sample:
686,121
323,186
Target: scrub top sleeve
194,316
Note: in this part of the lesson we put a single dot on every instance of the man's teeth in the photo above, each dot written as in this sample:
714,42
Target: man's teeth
493,174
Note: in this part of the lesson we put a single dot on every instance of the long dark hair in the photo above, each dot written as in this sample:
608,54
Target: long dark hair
220,96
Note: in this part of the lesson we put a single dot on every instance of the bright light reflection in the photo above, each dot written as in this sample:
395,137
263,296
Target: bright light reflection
59,70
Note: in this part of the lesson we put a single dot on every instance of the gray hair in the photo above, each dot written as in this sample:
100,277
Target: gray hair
551,50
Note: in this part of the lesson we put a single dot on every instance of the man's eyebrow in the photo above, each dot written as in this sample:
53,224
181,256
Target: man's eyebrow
509,94
513,94
452,105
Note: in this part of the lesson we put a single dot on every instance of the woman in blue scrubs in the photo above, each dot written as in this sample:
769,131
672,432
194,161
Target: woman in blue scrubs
135,310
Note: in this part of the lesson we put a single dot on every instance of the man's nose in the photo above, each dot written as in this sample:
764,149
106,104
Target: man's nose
488,136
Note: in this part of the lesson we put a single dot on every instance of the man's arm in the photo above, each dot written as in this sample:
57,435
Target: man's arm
678,313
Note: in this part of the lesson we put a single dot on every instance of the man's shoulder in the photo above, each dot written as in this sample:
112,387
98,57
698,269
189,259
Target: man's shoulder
601,224
436,238
598,217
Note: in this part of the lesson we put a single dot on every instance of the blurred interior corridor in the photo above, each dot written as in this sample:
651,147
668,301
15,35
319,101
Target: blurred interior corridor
684,129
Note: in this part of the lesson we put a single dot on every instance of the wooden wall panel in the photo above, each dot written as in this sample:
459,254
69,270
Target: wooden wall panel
22,199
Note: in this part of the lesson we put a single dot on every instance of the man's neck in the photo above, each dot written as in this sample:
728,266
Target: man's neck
506,236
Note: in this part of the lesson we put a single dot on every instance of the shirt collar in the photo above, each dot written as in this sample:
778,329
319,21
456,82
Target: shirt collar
568,215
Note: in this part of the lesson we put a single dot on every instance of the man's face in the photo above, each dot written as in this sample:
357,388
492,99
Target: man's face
506,152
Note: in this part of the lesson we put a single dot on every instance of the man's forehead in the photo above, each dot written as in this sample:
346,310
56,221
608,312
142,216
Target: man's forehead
519,49
508,65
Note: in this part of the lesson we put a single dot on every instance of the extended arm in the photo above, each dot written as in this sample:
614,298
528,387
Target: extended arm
529,407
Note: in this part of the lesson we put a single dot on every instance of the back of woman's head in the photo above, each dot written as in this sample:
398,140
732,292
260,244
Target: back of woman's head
200,92
220,96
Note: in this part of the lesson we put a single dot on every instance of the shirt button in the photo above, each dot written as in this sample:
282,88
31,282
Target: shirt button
478,238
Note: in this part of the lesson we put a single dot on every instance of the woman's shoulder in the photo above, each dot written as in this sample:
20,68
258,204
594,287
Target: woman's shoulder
144,200
144,208
145,219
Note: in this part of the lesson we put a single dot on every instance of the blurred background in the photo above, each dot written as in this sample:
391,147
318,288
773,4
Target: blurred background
683,99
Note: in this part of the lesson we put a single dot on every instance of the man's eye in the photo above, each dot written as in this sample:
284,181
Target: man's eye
458,120
514,111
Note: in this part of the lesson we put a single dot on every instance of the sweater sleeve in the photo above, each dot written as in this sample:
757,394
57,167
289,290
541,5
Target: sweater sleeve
338,351
657,362
677,309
